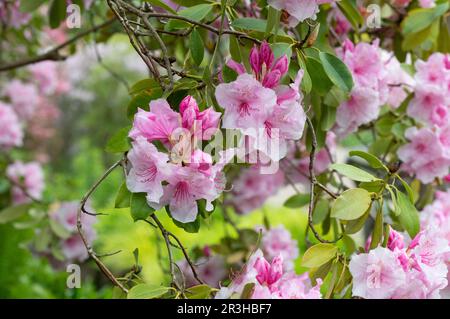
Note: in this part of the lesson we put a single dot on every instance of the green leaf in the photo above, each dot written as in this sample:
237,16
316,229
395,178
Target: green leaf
123,197
196,13
369,158
321,211
351,204
354,226
197,47
306,84
328,118
419,19
337,71
228,74
13,212
138,101
247,292
353,172
250,24
351,12
273,18
119,142
407,188
57,13
146,291
139,207
321,83
198,292
30,5
148,86
192,227
297,200
377,234
318,255
409,216
161,4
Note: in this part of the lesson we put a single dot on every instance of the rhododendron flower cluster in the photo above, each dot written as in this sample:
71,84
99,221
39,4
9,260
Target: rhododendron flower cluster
298,10
378,78
267,113
72,246
431,102
277,241
251,189
10,14
270,281
427,155
11,133
418,270
188,173
210,268
27,181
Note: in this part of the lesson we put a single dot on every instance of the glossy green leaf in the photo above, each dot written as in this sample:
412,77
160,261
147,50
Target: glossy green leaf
373,161
318,255
119,142
123,197
352,172
408,216
337,71
146,291
297,201
351,204
139,207
196,47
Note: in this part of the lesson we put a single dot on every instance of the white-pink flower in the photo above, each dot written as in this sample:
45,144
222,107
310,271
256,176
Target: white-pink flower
11,133
425,155
246,102
28,181
299,10
377,274
149,168
277,241
23,97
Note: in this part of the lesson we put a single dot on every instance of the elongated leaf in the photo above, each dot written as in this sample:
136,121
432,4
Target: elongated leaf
197,47
123,197
419,19
13,212
409,216
297,200
119,142
371,159
318,255
353,172
337,71
139,207
146,291
250,24
351,204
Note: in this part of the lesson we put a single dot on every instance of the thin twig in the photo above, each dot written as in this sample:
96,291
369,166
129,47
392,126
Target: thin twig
54,54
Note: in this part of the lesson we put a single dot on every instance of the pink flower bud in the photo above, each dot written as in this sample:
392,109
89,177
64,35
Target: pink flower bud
255,61
239,68
272,79
281,65
266,54
188,103
395,240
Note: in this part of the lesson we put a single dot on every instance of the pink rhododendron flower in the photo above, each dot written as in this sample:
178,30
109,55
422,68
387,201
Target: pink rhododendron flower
149,169
10,14
278,241
73,247
23,97
431,102
246,102
267,113
377,274
11,133
28,181
46,76
299,10
339,22
426,155
427,3
211,269
271,282
163,124
251,189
